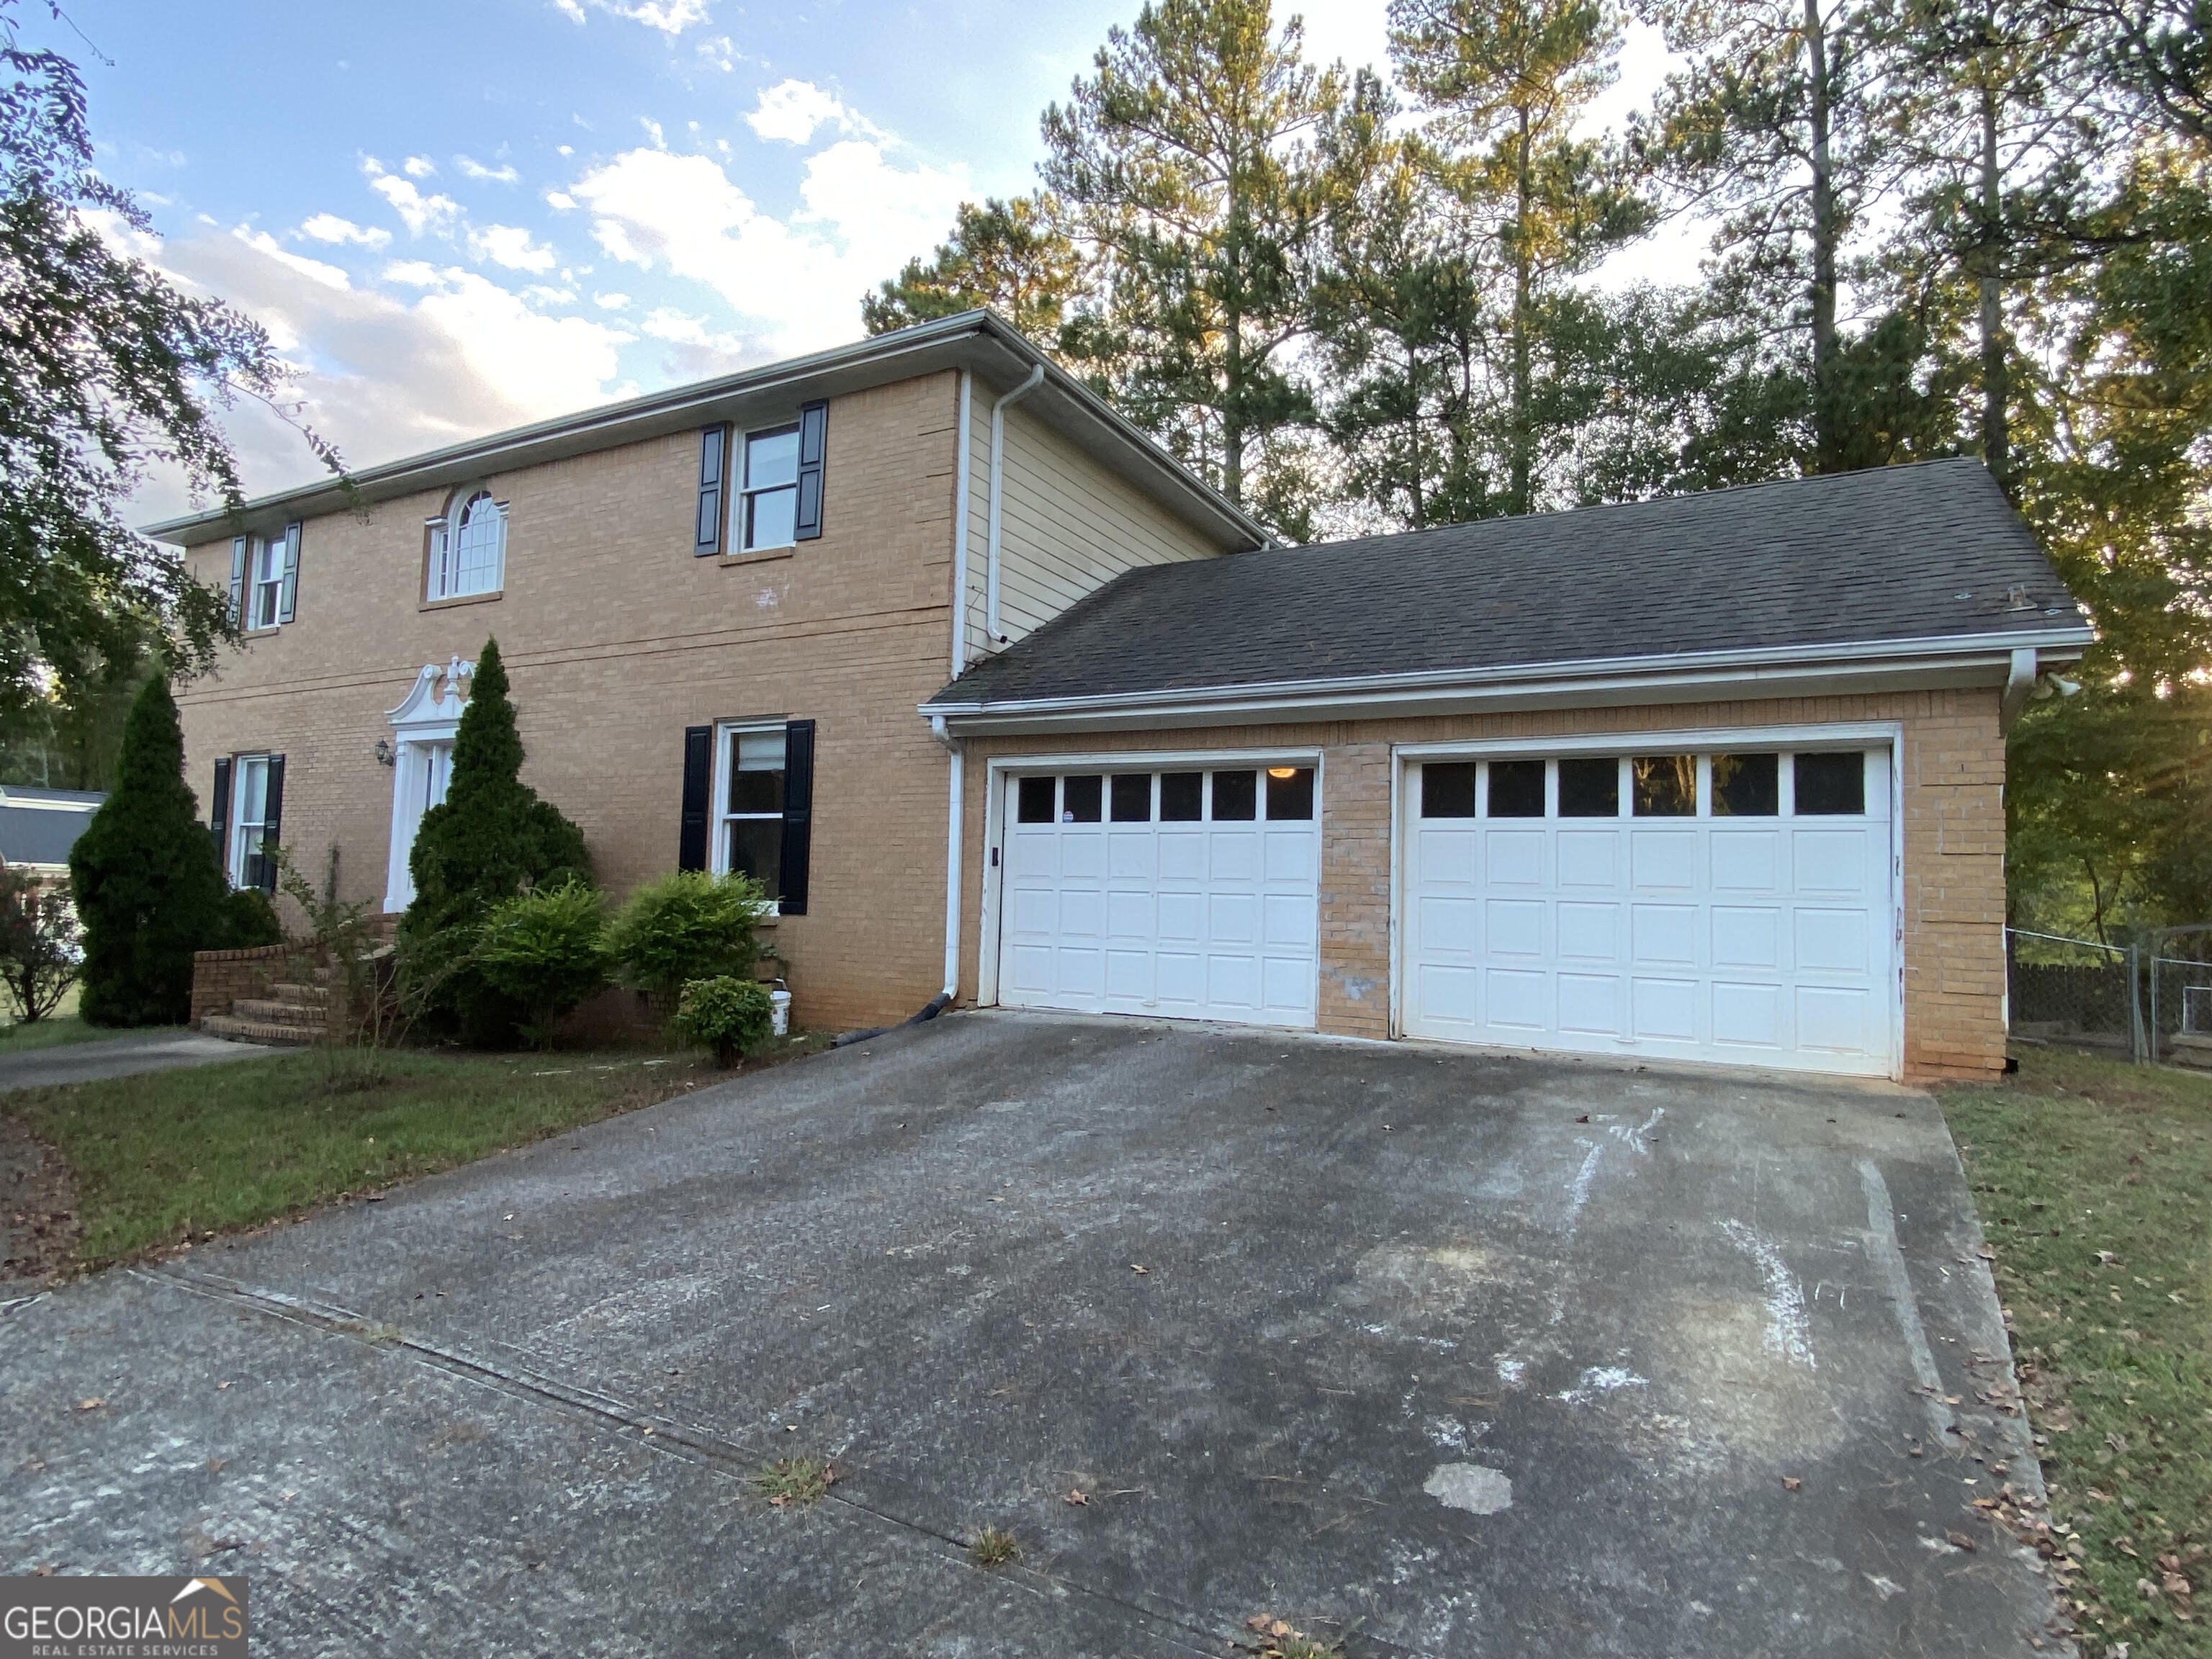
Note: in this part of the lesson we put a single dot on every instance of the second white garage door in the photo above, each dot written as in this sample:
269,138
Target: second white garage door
1193,893
1731,906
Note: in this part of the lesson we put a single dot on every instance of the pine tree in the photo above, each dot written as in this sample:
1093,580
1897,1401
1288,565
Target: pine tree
146,877
1011,257
489,840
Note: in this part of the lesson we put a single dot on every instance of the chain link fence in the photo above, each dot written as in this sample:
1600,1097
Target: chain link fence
2077,992
2178,971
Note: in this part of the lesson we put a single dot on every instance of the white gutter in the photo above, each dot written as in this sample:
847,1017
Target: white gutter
960,535
2020,681
1983,654
997,482
955,802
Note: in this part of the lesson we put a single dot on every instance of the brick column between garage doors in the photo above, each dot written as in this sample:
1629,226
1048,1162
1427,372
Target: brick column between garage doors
1355,890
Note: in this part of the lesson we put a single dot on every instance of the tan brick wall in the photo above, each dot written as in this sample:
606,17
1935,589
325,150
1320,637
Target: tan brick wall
616,639
1950,795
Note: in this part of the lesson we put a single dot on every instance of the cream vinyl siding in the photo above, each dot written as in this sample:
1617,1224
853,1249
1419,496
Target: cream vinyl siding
1067,526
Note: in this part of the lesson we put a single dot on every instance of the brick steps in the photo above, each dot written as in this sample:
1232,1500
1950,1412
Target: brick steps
292,1013
250,1030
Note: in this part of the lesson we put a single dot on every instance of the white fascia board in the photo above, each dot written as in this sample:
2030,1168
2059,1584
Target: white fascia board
1733,675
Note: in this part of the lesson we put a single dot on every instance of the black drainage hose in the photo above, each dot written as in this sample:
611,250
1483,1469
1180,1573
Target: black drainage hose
929,1011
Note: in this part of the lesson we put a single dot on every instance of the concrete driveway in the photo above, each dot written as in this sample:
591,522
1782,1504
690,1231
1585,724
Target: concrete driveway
1458,1353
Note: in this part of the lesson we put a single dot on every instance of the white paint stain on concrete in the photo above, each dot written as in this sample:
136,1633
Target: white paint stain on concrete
1450,1434
1789,1335
1638,1139
1578,1190
1475,1488
1603,1379
1510,1372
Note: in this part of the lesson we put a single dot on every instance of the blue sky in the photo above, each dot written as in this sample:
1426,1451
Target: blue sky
456,217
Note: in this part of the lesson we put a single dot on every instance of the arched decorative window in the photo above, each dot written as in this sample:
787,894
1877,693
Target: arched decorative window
468,547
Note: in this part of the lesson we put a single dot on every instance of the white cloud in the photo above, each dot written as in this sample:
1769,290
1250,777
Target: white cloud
419,167
719,51
314,269
511,246
792,111
539,295
472,168
796,284
329,227
560,201
670,17
417,211
611,302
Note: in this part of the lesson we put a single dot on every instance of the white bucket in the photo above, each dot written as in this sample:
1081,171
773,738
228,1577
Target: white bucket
779,1012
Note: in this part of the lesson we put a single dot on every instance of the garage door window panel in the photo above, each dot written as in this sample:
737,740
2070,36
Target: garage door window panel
1747,786
1448,789
1589,788
1082,798
1182,797
1290,794
1236,797
1830,786
1516,789
1033,799
1664,785
1133,798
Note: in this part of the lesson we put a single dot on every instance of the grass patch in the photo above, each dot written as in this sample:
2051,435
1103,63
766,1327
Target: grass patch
167,1157
52,1032
994,1547
799,1481
2093,1180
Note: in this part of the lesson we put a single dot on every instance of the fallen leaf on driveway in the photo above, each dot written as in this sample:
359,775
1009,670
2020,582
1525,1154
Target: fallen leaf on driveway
1959,1540
1077,1497
1134,1268
91,1405
1985,1252
1791,1483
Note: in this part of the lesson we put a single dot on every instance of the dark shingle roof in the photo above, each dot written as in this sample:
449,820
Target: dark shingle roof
1899,553
43,834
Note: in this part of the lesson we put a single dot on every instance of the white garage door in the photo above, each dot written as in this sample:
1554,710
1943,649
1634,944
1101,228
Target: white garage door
1193,893
1718,907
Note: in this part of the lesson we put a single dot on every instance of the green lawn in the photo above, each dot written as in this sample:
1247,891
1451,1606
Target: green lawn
2094,1180
59,1027
169,1156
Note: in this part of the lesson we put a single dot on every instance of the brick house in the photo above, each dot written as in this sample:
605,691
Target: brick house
999,700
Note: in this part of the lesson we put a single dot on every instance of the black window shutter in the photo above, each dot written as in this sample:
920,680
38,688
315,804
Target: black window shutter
272,836
797,812
813,445
237,578
698,779
287,595
219,811
714,471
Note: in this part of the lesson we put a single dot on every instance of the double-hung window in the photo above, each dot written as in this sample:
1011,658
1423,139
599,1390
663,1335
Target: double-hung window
257,793
749,803
467,549
264,578
769,505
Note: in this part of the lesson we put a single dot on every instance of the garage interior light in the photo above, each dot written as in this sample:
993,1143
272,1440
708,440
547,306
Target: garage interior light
1282,771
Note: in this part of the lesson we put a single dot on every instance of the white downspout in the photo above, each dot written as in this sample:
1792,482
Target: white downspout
2018,684
954,801
960,537
998,481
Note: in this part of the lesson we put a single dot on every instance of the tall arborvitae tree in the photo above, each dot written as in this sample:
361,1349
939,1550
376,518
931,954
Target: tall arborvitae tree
491,838
1188,165
1009,256
1505,82
147,879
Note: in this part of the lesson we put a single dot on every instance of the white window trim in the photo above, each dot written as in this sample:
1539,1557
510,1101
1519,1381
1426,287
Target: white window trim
745,492
237,852
438,575
726,733
265,554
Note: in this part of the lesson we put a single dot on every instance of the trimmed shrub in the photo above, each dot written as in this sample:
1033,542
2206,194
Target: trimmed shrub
685,925
40,953
731,1016
489,840
147,879
248,921
546,951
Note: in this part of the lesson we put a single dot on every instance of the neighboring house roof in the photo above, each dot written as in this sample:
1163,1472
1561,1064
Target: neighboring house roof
1925,561
38,827
1000,356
